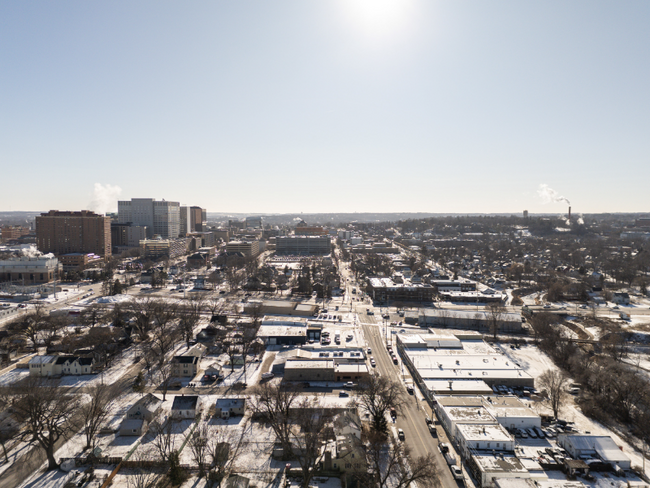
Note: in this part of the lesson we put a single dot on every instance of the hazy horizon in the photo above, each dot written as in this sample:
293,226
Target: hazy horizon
340,106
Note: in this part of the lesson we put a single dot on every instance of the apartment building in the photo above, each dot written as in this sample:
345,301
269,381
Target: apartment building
74,232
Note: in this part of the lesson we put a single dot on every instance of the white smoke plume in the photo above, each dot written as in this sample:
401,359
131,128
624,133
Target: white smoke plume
105,198
549,195
581,221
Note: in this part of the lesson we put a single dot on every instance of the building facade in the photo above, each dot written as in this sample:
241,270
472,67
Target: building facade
71,232
247,248
161,218
303,245
31,271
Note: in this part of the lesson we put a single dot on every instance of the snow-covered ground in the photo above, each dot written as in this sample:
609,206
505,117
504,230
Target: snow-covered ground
12,376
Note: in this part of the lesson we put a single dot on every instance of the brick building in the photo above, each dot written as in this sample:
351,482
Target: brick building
73,232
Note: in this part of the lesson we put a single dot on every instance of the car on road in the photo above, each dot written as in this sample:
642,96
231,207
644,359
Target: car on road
393,413
410,389
433,431
400,434
456,472
443,447
373,363
369,350
349,384
343,394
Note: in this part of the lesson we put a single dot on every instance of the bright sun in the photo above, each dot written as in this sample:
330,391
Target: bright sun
379,18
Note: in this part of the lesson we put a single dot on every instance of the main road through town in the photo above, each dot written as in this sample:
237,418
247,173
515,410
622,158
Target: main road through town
413,418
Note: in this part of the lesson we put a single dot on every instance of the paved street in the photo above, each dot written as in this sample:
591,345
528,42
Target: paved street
413,422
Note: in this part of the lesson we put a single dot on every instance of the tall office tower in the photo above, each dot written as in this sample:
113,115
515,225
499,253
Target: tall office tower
73,232
197,219
161,218
186,221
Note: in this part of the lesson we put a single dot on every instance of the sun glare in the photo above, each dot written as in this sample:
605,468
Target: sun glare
379,18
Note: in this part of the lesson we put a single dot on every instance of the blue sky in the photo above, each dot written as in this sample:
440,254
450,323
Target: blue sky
316,106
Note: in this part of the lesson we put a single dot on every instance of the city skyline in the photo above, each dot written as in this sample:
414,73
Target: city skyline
338,106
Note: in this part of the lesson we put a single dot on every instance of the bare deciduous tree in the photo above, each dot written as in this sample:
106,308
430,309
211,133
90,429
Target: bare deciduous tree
141,477
392,465
190,314
273,405
495,315
95,412
377,395
555,382
47,413
161,433
223,451
308,435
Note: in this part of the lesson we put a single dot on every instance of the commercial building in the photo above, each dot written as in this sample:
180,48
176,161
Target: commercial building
79,261
487,468
126,236
303,245
159,217
71,232
599,447
385,290
247,248
480,320
30,271
457,364
158,248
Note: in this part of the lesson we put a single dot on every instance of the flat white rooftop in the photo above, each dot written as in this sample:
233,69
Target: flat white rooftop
458,387
483,432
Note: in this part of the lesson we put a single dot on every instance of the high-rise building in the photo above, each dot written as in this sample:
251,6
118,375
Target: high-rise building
160,217
186,221
197,218
73,232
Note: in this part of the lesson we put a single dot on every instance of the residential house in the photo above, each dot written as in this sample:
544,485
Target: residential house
50,366
72,365
185,366
347,455
185,407
230,407
146,408
43,366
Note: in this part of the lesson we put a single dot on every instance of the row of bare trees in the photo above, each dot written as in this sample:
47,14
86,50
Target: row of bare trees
303,425
47,414
612,390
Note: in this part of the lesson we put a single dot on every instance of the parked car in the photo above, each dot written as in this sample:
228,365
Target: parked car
343,394
456,472
400,434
